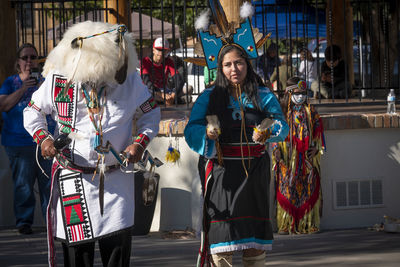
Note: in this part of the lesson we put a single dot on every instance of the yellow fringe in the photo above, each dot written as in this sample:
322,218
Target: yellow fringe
307,225
172,155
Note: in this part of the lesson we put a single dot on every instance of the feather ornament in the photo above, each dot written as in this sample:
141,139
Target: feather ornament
246,10
265,124
198,49
213,124
262,41
102,174
219,17
263,128
196,60
76,136
202,21
172,154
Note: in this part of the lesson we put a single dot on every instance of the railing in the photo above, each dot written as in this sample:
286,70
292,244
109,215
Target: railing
372,58
42,23
295,25
175,22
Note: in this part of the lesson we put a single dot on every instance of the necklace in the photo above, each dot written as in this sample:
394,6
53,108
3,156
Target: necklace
92,98
242,129
95,105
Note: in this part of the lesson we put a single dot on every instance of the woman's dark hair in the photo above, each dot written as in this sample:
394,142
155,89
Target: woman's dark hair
19,50
219,97
333,53
285,100
272,47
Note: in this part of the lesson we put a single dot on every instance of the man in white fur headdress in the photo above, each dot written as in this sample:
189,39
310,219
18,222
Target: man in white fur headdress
94,93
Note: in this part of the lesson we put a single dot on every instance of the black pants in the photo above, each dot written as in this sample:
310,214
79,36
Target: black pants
115,251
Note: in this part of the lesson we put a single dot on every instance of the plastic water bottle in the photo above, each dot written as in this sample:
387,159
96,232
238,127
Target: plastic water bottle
391,102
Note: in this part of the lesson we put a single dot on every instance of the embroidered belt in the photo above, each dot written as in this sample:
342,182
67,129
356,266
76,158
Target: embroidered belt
64,162
236,151
91,170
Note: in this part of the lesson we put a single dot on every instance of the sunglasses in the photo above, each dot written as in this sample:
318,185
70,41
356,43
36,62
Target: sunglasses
25,58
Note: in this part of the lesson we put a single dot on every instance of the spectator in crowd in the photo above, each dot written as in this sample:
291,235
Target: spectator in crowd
15,95
332,75
267,63
286,71
158,73
187,89
308,67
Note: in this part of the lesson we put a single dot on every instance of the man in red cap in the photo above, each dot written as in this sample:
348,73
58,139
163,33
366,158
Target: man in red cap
159,72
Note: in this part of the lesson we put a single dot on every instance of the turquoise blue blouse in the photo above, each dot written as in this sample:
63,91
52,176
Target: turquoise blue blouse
195,131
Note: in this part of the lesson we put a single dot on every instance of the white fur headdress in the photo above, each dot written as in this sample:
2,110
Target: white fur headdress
94,59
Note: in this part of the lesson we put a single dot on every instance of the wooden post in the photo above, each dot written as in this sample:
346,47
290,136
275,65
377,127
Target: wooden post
341,31
119,12
8,38
232,9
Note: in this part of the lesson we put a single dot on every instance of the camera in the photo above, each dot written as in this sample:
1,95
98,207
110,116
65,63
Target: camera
35,74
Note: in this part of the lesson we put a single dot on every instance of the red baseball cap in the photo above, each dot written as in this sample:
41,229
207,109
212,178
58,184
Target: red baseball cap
161,43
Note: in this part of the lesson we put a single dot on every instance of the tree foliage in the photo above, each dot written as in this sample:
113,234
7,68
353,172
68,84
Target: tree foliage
181,12
64,9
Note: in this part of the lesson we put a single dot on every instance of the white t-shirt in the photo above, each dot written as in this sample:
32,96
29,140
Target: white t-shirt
308,70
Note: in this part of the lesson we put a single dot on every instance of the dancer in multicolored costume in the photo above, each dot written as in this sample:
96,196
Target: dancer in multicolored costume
230,124
94,92
296,164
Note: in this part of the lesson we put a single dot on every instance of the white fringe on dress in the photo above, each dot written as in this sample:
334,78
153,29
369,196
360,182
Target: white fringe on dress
238,247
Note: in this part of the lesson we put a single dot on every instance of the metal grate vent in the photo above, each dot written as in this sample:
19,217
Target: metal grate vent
358,194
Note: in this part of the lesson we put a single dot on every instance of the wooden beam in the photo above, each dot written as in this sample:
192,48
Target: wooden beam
232,9
339,24
119,12
8,38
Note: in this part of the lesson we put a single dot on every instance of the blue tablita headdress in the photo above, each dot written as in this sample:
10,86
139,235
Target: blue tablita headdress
212,41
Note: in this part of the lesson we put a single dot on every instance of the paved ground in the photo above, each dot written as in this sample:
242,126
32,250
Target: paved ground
358,247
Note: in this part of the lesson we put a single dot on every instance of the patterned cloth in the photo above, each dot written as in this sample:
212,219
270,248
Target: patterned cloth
297,177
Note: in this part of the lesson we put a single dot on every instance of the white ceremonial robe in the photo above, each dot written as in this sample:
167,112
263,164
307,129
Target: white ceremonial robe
74,204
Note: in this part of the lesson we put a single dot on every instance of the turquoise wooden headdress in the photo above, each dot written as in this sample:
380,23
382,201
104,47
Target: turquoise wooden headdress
241,36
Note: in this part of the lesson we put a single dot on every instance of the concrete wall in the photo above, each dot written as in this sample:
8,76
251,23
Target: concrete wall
178,202
358,155
351,155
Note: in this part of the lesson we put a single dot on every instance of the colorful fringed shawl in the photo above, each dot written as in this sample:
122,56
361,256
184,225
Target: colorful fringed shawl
297,177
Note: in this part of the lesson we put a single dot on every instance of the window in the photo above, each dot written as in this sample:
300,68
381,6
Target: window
358,194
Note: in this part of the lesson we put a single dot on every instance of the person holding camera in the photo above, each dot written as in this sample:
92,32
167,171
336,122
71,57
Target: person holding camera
15,95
